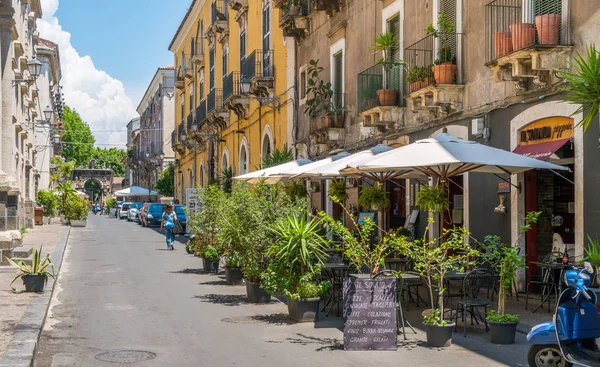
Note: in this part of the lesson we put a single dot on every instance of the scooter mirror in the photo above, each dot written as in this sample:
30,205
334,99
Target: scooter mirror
588,267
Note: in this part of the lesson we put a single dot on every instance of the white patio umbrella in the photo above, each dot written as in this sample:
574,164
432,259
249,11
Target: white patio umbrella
445,156
264,174
285,174
332,169
135,191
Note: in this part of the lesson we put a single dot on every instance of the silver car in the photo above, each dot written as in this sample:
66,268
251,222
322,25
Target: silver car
123,212
132,213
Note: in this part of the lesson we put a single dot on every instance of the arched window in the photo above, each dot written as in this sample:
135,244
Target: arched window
266,145
201,183
243,160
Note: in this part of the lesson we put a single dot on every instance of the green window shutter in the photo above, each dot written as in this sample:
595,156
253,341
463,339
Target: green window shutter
338,78
393,26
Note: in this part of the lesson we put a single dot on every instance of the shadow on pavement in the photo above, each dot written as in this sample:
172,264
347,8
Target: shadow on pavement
190,271
214,282
224,299
323,344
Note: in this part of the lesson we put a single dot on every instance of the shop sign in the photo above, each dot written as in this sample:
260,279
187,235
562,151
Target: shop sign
503,187
550,129
370,314
192,200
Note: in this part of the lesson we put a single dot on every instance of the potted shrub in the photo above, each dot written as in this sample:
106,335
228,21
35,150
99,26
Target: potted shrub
233,271
319,93
592,255
505,261
35,276
522,35
111,203
433,259
386,42
548,25
338,115
444,70
337,191
77,211
373,197
64,191
294,265
210,259
48,200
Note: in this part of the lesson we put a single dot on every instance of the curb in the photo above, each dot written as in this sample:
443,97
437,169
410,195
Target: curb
22,348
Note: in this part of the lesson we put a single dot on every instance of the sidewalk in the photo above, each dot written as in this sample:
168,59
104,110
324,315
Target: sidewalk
20,308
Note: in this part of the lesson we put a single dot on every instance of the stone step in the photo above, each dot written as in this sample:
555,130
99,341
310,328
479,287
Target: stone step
27,260
22,252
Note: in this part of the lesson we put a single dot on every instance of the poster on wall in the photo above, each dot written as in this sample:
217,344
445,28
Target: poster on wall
192,200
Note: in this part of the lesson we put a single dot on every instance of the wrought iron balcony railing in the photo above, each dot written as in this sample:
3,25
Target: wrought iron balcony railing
219,10
201,113
513,25
214,102
231,85
180,131
190,121
259,64
173,138
371,80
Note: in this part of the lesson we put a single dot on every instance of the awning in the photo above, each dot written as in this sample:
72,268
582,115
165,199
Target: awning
541,151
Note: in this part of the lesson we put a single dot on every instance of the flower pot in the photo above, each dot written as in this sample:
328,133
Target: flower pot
439,336
523,35
303,310
64,220
78,223
387,97
415,86
46,220
502,332
502,44
34,282
234,276
339,121
428,81
210,266
548,26
294,10
256,294
444,73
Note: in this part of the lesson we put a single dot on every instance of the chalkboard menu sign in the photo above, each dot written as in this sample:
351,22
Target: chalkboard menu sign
370,314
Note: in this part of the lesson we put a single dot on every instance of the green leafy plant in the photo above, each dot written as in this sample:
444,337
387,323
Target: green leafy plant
592,251
417,74
494,316
337,191
23,230
39,266
211,253
226,179
297,190
434,318
434,259
111,203
49,201
277,157
583,84
373,197
233,260
446,28
387,43
433,199
64,191
77,208
318,102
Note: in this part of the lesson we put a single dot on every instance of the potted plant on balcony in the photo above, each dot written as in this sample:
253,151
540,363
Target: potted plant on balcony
503,43
419,77
295,260
522,35
505,261
318,102
35,276
386,42
547,23
444,70
338,115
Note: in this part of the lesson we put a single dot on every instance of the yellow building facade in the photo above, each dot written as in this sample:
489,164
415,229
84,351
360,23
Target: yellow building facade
234,103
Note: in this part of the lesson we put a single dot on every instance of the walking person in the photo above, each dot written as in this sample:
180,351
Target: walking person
168,222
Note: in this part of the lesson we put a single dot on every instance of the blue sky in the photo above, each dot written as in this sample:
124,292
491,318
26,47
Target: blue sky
128,39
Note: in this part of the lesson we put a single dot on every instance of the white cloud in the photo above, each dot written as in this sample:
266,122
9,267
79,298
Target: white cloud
99,99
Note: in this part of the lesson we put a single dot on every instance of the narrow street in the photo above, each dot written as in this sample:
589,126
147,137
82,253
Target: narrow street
119,289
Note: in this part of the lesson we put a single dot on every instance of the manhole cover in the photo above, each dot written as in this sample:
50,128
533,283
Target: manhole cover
125,356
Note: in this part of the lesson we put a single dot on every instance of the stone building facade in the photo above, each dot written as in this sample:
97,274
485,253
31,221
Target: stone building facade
20,113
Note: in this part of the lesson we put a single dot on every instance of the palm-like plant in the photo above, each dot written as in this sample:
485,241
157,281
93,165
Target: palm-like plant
583,84
38,266
227,179
386,42
65,191
277,157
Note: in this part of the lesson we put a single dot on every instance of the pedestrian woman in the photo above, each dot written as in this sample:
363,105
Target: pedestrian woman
168,222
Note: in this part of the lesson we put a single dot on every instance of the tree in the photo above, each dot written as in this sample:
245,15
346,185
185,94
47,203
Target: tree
110,158
78,141
166,183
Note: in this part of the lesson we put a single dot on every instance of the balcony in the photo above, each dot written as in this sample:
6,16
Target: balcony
187,67
435,83
527,43
378,107
198,54
179,79
238,5
201,114
294,20
179,146
258,68
329,6
191,123
218,115
328,129
232,97
219,13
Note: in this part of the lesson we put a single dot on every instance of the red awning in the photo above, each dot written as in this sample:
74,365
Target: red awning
541,151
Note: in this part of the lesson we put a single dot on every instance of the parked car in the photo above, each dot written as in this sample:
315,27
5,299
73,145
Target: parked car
132,215
124,210
180,212
153,214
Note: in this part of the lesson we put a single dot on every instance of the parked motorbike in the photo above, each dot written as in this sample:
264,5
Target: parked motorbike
574,335
190,245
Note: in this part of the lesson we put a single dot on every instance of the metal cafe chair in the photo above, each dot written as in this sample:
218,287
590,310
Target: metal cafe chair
547,282
477,288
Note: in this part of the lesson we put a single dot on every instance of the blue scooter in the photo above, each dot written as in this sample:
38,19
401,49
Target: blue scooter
574,335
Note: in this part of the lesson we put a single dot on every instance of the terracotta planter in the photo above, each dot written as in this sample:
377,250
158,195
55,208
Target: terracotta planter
387,97
415,86
502,44
294,10
548,27
428,81
523,35
339,121
444,73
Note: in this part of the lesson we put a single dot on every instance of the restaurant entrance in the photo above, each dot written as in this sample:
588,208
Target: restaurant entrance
550,193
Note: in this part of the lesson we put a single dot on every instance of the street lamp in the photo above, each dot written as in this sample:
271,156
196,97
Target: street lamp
56,137
48,113
244,85
182,137
35,68
161,155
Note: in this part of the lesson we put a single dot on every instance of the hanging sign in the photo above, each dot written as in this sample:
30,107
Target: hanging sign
370,314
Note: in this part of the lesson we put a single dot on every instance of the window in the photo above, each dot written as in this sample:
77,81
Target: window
243,160
201,84
225,60
193,46
191,89
267,62
182,106
201,183
183,66
338,78
201,36
211,80
393,26
243,39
